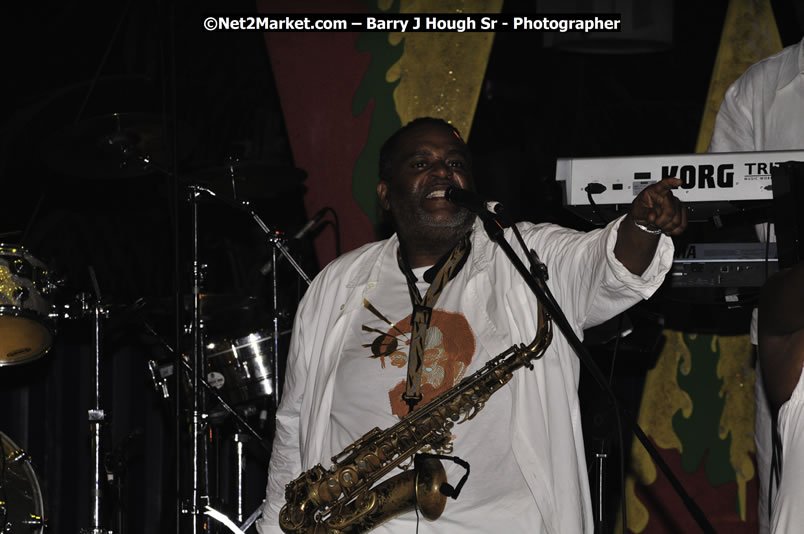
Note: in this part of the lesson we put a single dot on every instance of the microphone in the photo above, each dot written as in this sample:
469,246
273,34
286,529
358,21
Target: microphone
312,223
495,207
473,202
466,199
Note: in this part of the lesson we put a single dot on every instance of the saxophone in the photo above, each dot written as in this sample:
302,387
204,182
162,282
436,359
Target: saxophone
343,498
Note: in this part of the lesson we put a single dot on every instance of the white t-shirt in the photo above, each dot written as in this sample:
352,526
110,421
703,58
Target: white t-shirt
368,393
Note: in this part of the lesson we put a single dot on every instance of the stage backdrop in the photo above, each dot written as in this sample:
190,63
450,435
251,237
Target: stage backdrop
698,411
698,403
343,94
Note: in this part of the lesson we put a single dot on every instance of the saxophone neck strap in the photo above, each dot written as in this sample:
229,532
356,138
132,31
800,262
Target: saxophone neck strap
444,270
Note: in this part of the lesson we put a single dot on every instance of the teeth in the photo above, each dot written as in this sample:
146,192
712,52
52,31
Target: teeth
437,194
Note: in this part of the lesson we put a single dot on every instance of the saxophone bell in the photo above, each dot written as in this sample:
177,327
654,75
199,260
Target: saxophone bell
430,479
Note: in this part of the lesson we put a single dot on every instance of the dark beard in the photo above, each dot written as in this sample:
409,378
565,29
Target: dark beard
434,237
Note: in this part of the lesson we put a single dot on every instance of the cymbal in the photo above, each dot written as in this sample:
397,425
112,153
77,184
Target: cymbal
118,145
221,314
244,179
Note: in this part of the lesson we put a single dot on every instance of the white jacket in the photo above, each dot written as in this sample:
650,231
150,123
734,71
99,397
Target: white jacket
588,282
764,108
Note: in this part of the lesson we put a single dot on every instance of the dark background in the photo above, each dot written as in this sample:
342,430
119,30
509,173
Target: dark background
70,62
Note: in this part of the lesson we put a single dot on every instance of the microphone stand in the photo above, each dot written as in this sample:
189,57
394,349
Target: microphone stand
537,284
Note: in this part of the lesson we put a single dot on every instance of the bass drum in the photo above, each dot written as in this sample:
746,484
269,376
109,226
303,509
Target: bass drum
22,510
26,330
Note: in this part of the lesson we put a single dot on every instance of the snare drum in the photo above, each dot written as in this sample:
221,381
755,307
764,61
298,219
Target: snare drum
242,369
26,331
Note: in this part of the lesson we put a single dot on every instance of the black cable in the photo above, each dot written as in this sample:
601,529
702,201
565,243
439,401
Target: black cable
620,321
595,189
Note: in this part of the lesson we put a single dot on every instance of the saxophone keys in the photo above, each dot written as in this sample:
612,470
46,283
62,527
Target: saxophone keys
349,477
329,490
368,463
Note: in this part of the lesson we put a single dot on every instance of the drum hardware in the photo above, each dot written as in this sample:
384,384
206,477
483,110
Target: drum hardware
245,525
22,509
243,179
239,440
199,456
240,366
216,308
96,415
114,146
160,373
159,378
276,242
26,291
114,463
80,307
242,369
199,449
223,519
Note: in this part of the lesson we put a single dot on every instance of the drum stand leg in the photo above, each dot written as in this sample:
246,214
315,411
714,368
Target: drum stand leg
600,468
275,313
599,490
240,471
96,418
199,448
245,525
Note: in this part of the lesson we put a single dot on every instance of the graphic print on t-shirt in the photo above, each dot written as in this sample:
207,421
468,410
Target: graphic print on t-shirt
448,350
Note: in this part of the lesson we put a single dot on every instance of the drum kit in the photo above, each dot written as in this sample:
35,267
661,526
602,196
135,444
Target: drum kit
227,366
25,335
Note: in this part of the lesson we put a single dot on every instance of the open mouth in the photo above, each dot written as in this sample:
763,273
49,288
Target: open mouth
440,193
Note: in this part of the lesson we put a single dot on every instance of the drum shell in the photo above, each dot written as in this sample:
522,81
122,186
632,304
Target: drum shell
26,328
241,369
23,502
